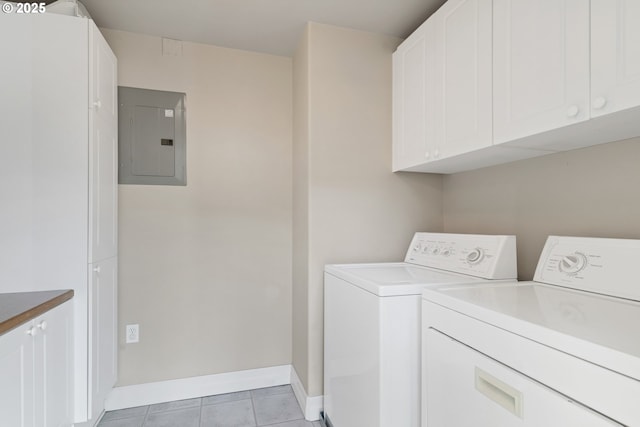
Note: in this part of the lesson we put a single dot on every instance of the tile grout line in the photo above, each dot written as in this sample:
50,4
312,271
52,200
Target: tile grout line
146,415
253,408
287,391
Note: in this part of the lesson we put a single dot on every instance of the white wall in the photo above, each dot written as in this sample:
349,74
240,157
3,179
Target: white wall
206,269
587,192
355,208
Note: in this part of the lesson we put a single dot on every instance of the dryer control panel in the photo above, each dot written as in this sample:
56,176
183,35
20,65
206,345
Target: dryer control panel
485,256
605,266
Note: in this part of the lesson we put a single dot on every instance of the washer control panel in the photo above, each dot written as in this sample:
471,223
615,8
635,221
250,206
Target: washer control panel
486,256
573,263
605,266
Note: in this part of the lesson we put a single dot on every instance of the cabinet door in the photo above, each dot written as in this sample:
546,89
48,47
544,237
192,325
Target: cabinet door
103,336
16,377
414,99
53,355
464,62
615,55
103,149
541,66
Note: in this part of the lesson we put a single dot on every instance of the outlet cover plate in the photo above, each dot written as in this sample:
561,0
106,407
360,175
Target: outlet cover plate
132,333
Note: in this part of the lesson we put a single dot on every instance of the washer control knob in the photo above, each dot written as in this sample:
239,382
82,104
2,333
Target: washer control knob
475,256
435,250
446,252
572,264
425,249
417,247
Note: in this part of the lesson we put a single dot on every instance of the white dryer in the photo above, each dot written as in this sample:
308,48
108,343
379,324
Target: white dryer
372,324
562,350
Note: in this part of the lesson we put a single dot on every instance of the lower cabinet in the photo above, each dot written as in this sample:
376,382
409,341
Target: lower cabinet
36,362
17,373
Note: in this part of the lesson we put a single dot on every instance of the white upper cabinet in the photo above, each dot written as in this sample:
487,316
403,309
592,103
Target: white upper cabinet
515,79
463,77
615,55
413,99
442,86
541,66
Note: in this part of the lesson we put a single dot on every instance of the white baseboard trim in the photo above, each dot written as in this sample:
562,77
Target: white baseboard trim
311,406
187,388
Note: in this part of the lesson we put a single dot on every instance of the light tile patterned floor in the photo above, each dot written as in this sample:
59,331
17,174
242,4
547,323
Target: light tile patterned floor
272,406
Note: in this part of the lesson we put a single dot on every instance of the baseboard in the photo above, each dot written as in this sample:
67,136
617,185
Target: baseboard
311,406
187,388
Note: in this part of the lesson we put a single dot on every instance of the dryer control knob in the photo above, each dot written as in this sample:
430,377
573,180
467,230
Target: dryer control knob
572,264
475,256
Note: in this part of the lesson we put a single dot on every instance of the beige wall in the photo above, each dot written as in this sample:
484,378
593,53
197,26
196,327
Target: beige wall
300,273
588,192
358,210
206,269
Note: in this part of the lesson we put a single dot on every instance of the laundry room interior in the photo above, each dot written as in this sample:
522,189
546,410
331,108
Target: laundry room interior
294,161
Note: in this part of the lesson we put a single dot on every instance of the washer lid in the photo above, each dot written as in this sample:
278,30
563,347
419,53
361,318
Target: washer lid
394,279
601,329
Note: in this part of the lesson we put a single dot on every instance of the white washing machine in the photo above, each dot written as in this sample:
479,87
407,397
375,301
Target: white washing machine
372,324
562,350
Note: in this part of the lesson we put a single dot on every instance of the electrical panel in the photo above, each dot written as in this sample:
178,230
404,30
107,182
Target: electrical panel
152,137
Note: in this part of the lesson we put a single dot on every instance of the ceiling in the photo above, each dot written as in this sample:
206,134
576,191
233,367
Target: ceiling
269,26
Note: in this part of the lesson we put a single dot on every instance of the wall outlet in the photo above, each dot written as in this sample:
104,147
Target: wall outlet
132,332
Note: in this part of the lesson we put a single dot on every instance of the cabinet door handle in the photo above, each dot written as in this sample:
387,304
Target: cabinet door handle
436,153
31,331
97,104
599,102
573,111
96,269
42,325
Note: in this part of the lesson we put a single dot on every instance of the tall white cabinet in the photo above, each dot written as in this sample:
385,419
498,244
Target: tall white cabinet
58,160
103,225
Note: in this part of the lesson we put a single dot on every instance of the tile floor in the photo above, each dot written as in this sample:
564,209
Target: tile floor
272,406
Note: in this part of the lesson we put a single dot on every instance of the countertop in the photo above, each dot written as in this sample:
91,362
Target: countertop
21,307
